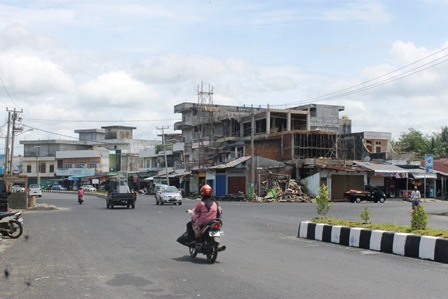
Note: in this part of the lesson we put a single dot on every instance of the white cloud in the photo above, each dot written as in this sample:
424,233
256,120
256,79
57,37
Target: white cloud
33,75
359,11
109,60
117,89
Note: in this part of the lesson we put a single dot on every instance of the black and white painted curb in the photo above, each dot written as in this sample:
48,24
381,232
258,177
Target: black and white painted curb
411,245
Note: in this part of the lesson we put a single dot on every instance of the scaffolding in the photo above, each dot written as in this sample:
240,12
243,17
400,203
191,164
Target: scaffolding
205,123
312,144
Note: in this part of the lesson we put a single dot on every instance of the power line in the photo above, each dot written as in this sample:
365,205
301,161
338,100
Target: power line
45,131
103,121
7,92
362,86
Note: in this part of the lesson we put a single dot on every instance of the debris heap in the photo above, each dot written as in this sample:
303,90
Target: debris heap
291,192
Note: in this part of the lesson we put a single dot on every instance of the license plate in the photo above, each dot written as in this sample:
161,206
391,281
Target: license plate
215,233
20,220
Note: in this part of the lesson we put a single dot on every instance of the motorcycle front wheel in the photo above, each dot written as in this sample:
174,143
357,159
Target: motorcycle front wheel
193,251
15,229
212,251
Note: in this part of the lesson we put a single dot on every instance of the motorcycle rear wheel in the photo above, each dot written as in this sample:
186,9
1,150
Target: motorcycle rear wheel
15,229
212,252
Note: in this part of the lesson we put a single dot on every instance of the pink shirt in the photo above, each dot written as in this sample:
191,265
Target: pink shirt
203,215
81,192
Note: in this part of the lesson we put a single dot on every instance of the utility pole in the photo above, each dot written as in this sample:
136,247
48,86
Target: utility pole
164,151
15,117
6,167
252,163
37,147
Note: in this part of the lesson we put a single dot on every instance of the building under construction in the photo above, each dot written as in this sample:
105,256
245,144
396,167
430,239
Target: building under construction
215,134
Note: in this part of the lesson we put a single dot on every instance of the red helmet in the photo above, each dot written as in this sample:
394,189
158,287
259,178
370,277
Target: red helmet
206,190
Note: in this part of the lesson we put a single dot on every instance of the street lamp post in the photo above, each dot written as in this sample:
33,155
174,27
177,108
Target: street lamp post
37,147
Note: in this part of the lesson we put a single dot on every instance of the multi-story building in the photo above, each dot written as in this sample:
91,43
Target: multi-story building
97,152
217,133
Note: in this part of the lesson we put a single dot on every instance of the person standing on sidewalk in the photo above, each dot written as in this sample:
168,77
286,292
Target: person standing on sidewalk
415,197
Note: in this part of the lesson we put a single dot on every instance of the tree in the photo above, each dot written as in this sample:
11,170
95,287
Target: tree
323,201
411,141
444,140
415,141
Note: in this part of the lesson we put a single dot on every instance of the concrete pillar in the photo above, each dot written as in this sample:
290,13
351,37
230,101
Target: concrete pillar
268,122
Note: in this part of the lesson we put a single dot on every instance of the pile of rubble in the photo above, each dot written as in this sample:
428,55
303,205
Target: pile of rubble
293,192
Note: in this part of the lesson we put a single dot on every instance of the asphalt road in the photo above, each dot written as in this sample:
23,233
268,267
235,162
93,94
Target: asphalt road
88,251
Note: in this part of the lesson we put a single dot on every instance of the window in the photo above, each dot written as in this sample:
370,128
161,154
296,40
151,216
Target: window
28,168
92,165
68,165
81,165
42,167
51,168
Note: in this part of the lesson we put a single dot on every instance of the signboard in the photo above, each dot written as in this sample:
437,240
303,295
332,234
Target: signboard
429,163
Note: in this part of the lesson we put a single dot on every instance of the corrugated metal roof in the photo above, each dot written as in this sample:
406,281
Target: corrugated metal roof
231,164
345,168
381,167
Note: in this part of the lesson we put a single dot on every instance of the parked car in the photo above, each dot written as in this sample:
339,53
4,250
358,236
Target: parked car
58,187
17,188
168,194
89,188
35,190
370,193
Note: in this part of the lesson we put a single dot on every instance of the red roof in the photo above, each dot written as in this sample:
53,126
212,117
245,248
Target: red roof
440,165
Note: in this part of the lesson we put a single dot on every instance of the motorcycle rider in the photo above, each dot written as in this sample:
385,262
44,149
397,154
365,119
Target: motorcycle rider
204,211
80,194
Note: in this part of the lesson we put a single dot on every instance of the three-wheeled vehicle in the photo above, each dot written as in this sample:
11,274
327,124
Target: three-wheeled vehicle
118,192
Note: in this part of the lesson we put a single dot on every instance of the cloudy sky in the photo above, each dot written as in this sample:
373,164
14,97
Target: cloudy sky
90,63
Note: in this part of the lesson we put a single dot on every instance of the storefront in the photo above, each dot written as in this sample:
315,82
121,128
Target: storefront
426,182
392,179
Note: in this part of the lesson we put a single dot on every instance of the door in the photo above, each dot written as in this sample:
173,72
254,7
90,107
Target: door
342,183
237,184
220,185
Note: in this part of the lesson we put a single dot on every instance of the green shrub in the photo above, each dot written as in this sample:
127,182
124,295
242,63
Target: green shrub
323,201
365,215
419,218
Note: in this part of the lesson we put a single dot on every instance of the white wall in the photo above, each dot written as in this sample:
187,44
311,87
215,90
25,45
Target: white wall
312,183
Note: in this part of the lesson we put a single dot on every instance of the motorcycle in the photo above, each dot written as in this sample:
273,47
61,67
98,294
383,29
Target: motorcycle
80,199
11,224
208,242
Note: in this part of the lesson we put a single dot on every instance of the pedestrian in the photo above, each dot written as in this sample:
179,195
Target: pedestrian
415,197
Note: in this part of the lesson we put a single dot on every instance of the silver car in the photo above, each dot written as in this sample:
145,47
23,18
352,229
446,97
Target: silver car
168,194
89,188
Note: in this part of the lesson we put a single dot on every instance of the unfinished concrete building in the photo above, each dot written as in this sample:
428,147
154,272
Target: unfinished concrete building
366,146
215,134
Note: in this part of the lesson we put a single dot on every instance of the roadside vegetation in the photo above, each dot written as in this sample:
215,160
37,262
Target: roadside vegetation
419,219
386,227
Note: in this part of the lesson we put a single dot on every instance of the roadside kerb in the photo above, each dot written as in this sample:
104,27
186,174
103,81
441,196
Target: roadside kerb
404,244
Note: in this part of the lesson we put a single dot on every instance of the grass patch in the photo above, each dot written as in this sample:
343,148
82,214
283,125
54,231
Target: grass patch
386,227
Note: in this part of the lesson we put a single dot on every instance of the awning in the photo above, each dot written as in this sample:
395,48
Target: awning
384,170
421,176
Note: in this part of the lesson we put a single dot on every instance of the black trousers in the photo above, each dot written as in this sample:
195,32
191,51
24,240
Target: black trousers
190,231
